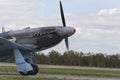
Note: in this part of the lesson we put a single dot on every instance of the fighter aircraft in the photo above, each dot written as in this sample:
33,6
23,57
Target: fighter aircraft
23,43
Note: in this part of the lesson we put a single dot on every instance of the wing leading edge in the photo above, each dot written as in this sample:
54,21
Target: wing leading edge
5,44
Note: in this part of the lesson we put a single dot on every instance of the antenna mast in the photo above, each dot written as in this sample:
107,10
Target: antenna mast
3,29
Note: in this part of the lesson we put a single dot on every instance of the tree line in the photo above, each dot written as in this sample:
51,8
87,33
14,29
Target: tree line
73,58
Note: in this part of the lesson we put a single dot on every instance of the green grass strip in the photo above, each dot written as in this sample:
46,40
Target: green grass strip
8,69
83,72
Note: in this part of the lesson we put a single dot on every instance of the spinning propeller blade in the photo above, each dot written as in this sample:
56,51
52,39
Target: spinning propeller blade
64,24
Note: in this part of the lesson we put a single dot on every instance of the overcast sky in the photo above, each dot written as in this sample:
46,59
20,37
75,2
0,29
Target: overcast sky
97,21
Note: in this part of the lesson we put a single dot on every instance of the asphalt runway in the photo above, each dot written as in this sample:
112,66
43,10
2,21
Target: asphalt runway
72,77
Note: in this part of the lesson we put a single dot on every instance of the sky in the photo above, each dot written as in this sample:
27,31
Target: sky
97,22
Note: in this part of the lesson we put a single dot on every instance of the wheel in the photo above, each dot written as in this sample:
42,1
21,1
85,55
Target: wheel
24,74
34,71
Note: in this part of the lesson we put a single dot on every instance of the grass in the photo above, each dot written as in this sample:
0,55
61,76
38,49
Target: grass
27,78
83,72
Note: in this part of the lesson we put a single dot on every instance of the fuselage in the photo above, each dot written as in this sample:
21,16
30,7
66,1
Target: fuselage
36,39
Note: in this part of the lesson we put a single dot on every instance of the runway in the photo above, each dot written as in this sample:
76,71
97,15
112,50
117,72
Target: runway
71,77
65,67
59,76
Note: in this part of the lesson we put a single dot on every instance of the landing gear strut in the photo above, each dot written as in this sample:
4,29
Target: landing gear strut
25,65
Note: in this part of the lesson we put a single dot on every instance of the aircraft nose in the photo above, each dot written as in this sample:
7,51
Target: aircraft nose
68,31
74,30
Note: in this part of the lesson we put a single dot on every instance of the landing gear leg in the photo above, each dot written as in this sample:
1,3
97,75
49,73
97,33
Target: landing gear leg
22,66
28,59
24,63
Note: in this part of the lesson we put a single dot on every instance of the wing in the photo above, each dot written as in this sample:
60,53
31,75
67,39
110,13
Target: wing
5,44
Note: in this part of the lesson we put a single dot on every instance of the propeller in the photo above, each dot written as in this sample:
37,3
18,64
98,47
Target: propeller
62,15
64,24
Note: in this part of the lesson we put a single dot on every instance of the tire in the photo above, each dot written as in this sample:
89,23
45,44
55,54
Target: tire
35,70
24,74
